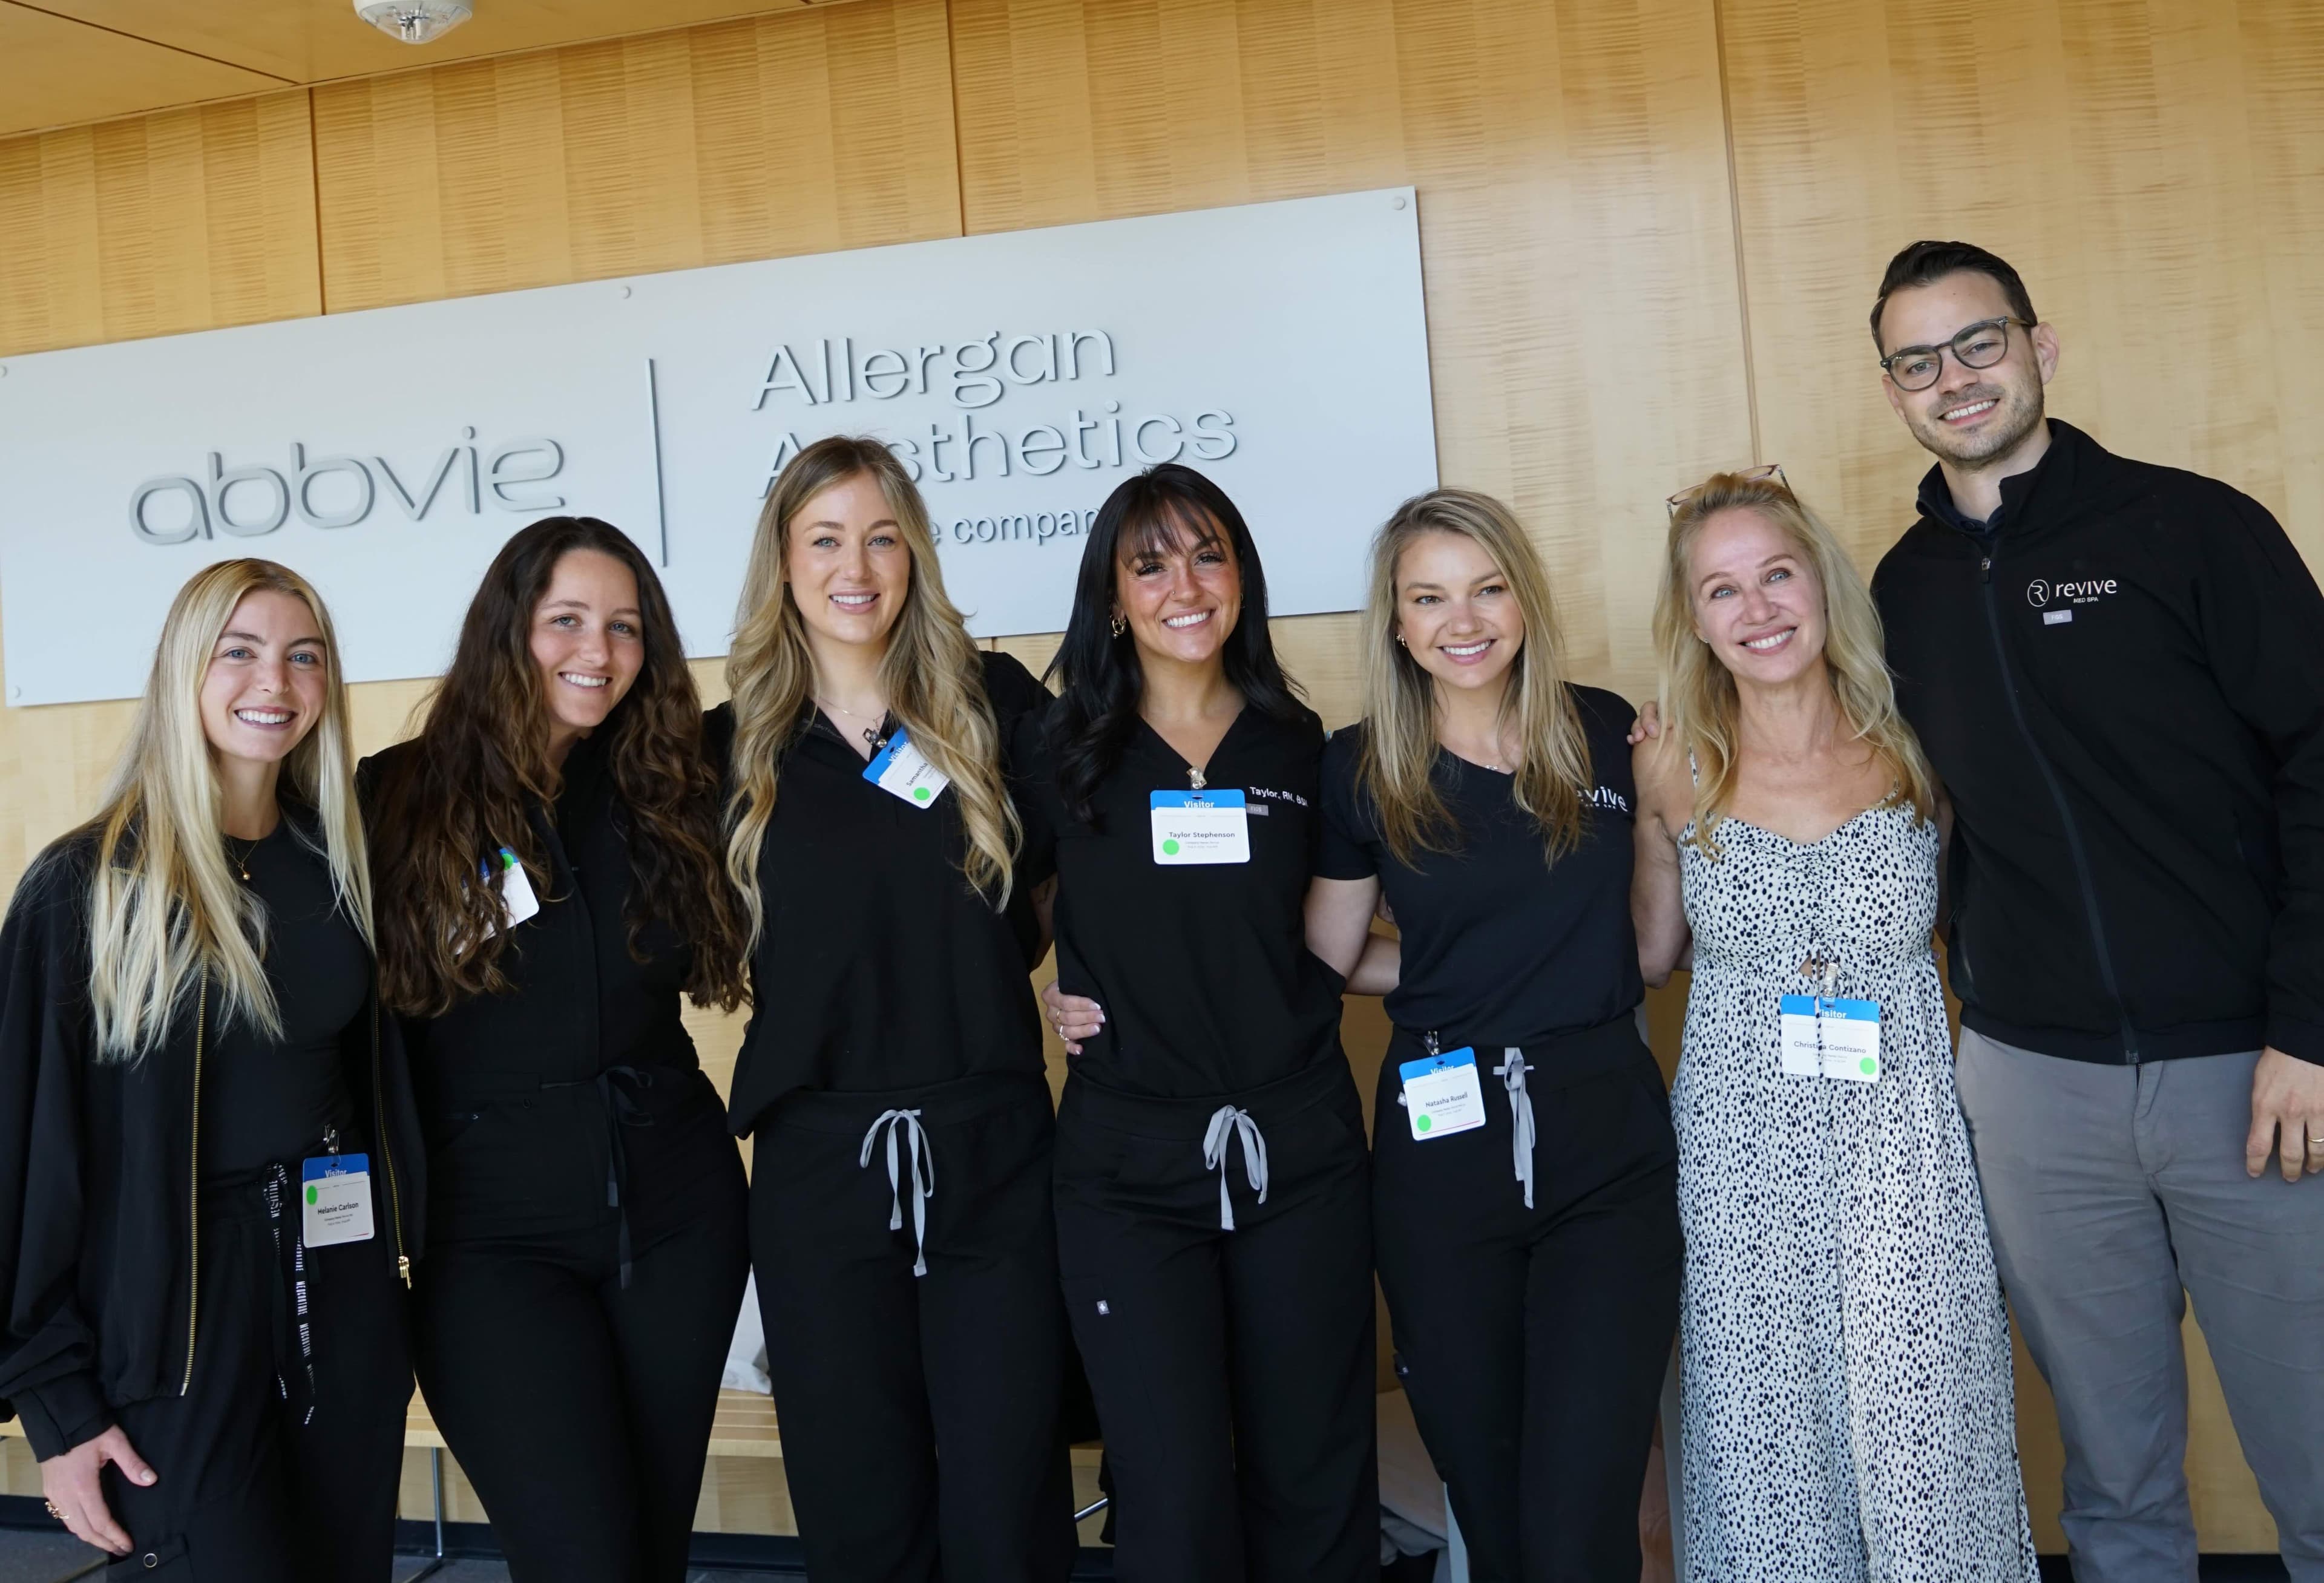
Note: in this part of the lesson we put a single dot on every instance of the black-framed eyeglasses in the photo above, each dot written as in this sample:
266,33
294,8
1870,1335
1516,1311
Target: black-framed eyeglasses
1774,470
1979,345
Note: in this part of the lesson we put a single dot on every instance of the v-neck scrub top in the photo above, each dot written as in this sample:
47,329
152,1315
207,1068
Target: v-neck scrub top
880,967
1500,947
1204,970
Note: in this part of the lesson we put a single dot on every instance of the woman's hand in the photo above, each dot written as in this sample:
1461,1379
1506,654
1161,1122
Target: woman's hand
1075,1018
77,1499
1649,724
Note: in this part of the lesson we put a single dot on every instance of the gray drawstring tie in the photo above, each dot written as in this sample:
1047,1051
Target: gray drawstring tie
1512,1072
907,1122
1227,1123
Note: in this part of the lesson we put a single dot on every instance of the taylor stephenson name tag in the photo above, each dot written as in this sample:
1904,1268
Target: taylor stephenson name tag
1199,827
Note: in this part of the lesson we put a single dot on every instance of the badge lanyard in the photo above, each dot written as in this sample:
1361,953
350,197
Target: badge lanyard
1824,1033
901,769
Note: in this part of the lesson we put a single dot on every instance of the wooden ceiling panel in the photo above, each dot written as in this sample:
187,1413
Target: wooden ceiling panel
314,41
55,71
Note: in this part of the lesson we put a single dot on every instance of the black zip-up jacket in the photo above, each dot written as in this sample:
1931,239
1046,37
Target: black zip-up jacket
2120,681
576,1094
99,1198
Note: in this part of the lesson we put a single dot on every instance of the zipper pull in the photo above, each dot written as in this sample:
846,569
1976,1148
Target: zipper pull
403,1270
1985,568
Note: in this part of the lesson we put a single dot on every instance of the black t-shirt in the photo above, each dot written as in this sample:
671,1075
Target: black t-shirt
1204,970
880,967
267,1100
511,1097
1498,947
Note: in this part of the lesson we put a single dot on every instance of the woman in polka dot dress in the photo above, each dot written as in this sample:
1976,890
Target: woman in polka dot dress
1848,1411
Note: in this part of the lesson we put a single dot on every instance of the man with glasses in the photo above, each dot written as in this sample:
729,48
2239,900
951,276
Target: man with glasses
2117,670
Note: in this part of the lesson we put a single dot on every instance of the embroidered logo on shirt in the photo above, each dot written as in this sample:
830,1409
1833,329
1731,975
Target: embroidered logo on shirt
2090,591
1280,796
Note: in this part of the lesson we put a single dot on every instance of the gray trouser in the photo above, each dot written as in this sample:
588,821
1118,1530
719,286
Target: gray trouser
2109,1189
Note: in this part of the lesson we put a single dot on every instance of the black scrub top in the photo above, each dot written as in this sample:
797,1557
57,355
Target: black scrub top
1204,970
1500,947
519,1093
266,1100
880,968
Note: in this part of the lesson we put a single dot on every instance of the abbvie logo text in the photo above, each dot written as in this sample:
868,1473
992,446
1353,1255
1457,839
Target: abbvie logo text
340,492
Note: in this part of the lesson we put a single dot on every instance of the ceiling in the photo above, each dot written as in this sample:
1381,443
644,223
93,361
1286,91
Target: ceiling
66,61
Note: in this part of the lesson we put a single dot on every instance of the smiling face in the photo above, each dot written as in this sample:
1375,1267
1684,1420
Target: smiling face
1971,416
1756,598
1182,594
846,564
267,679
588,640
1455,613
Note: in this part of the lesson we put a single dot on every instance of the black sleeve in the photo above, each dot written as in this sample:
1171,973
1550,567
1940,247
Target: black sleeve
718,741
48,1350
1346,840
1012,689
1022,752
2260,614
1606,721
1020,748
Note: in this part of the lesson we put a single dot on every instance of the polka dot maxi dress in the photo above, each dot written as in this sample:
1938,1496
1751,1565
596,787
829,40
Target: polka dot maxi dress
1848,1409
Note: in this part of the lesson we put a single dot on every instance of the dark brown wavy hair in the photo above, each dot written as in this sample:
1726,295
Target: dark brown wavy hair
467,785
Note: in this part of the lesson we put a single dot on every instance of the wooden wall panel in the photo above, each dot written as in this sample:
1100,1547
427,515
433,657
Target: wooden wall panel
182,220
2150,169
2153,170
1571,163
800,132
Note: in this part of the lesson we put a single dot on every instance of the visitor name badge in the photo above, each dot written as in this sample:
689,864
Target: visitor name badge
1832,1037
334,1198
901,769
1441,1093
515,888
1200,826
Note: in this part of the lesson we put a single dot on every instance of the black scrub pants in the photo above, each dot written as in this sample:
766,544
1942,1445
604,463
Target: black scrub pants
1233,1369
920,1413
246,1492
1533,1342
580,1409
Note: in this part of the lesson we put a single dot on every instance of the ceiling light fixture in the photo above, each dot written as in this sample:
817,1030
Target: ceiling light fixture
415,22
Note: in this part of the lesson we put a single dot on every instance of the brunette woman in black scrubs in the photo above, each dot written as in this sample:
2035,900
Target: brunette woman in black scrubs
546,856
899,1203
210,1369
1213,1212
1524,1173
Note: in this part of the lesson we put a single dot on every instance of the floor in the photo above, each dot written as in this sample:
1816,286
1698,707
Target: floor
32,1557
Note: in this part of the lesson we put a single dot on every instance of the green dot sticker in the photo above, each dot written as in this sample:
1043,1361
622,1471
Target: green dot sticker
919,794
1170,848
311,1195
1421,1124
1869,1066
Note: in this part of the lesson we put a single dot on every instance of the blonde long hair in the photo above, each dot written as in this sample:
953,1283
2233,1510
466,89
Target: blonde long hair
1397,766
1699,707
931,675
165,909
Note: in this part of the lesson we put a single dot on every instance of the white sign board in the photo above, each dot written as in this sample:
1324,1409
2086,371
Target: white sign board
386,454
